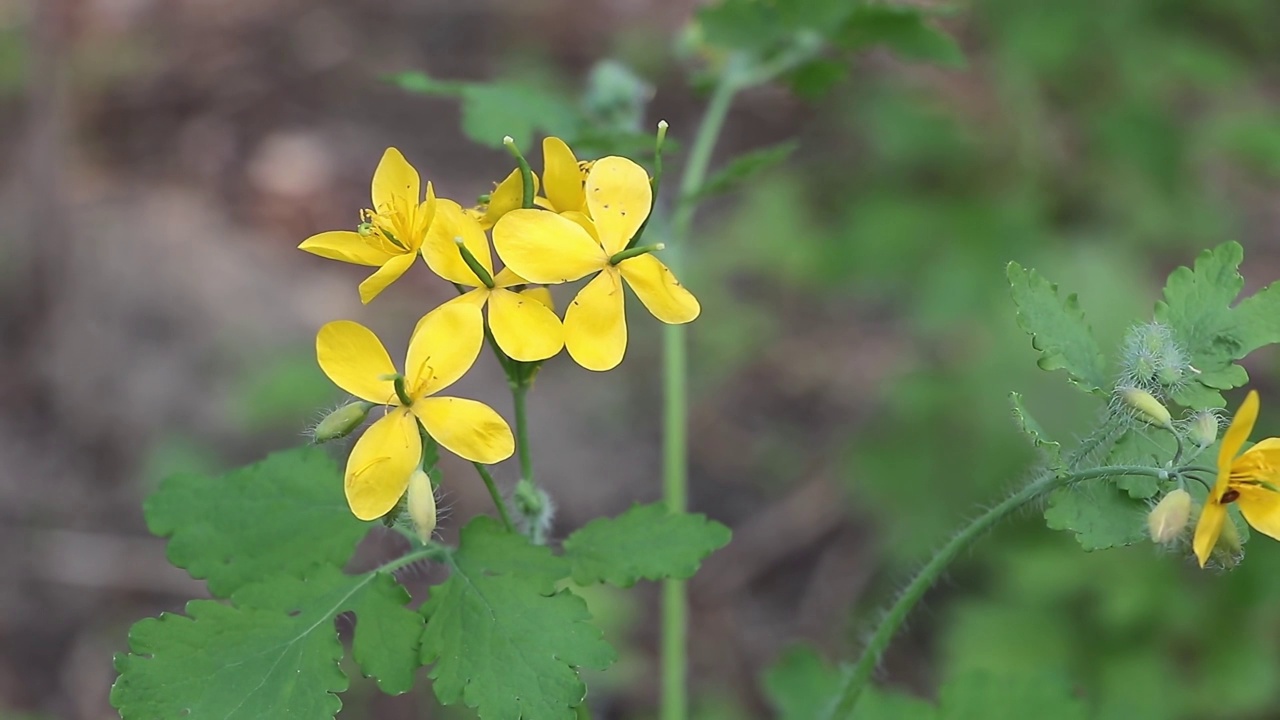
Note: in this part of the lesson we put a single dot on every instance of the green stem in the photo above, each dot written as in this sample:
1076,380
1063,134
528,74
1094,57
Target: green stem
432,551
924,579
497,496
519,396
526,173
631,252
675,480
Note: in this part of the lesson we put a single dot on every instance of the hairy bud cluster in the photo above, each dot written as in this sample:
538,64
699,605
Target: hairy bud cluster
536,510
1152,358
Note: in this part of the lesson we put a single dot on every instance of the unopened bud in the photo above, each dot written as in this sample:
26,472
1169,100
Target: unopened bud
1146,407
341,422
1169,517
1203,429
422,505
537,510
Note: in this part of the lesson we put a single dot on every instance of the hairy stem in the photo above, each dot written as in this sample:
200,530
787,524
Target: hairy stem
675,480
924,579
498,502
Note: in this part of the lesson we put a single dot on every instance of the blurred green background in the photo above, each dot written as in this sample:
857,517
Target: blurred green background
850,370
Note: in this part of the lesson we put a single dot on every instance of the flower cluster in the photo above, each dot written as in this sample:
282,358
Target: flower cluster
1250,480
586,223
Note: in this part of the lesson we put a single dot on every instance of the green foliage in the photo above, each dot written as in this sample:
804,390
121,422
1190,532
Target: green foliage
1197,305
1058,329
273,538
273,652
743,168
645,542
503,640
1098,513
903,30
1031,426
279,516
802,687
494,110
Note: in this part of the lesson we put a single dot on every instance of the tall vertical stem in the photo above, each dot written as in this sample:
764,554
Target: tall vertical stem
675,443
519,395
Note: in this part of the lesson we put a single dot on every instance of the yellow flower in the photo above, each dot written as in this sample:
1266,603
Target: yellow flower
1249,480
523,326
443,347
563,176
393,230
547,247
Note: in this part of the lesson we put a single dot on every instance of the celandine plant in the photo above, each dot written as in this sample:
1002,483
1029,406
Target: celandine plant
506,633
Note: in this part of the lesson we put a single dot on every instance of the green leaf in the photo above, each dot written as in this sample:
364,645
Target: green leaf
502,639
743,168
644,542
741,24
1033,430
272,652
493,110
1099,513
1197,306
904,30
978,695
814,79
281,515
1141,446
802,687
1057,328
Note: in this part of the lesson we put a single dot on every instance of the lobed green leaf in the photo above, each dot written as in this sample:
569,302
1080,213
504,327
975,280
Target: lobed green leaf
272,652
1031,427
646,542
1099,513
1197,306
282,515
502,639
1058,329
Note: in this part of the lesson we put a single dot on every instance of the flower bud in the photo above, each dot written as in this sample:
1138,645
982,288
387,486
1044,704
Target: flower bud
341,422
1169,517
1146,407
422,505
1203,429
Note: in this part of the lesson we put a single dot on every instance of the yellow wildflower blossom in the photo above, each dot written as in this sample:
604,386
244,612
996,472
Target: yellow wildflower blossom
1249,480
563,177
443,347
393,231
523,326
548,248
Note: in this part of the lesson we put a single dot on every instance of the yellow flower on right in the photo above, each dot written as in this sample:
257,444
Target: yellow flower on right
546,247
1251,480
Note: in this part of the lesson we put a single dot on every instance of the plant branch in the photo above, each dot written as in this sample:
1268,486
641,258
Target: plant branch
498,502
893,618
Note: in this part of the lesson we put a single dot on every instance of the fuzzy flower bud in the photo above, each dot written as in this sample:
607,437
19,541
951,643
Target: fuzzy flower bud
1146,407
341,422
1169,517
1203,429
422,505
537,510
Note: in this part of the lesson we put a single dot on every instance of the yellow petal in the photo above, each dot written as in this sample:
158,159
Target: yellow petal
1260,462
619,198
508,196
542,295
441,250
595,325
355,360
1208,528
1233,440
1261,508
584,222
543,247
396,186
387,274
524,328
658,289
345,246
466,428
562,179
380,464
506,277
444,346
